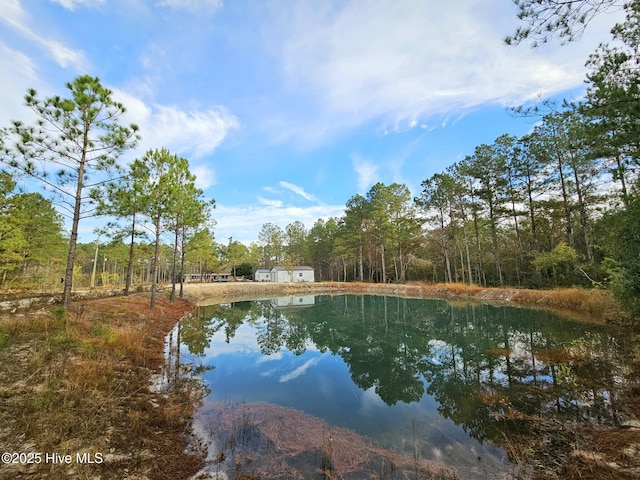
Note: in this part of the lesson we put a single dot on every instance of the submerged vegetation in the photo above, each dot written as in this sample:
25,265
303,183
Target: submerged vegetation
546,220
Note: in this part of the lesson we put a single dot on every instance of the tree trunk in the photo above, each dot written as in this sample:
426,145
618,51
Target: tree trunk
71,257
584,221
384,267
467,251
565,202
127,284
445,251
514,215
360,262
619,173
183,254
494,243
156,269
532,216
172,297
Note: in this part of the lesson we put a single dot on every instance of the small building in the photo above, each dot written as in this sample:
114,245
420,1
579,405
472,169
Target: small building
294,274
206,277
221,277
262,275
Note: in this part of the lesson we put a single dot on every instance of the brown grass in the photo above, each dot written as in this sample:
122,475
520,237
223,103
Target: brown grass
78,381
596,304
586,304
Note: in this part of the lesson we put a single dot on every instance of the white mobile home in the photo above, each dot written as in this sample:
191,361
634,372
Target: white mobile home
294,274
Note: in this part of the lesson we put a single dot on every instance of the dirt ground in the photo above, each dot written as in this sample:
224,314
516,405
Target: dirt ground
77,398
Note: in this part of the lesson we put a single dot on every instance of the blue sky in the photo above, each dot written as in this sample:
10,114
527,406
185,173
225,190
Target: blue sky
287,108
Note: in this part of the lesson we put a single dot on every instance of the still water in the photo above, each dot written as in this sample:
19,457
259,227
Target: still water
386,387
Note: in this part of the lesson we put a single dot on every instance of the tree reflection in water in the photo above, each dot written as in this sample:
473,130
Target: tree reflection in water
494,370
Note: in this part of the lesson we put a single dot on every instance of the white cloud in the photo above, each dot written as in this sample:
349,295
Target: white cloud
270,203
298,190
64,56
301,370
72,4
205,176
244,222
399,63
269,358
14,16
192,5
366,170
196,133
18,74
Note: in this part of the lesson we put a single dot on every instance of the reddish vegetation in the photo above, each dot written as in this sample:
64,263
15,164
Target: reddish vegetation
267,441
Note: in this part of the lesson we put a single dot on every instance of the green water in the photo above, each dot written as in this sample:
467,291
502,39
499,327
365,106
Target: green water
436,383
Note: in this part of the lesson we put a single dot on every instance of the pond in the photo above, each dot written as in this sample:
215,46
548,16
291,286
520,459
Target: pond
385,387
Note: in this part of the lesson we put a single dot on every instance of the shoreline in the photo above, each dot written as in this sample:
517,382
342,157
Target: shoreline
597,306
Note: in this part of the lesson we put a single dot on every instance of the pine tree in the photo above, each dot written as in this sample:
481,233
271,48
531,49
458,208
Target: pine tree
72,150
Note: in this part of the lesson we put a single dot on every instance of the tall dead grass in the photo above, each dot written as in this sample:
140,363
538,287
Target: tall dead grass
593,304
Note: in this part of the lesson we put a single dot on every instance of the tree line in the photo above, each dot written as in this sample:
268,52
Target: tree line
558,206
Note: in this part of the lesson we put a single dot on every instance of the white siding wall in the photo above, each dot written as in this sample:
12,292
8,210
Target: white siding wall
262,276
281,275
303,276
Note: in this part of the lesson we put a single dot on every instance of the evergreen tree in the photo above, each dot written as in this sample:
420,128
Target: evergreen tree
79,139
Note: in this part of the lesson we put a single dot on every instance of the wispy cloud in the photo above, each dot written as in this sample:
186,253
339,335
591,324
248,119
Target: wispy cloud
205,176
400,63
301,370
270,203
244,222
196,133
192,5
269,358
14,16
72,4
298,190
18,70
366,170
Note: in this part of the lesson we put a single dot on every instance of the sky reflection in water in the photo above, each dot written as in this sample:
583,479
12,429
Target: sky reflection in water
420,377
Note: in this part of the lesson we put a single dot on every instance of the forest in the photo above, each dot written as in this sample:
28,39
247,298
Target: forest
559,206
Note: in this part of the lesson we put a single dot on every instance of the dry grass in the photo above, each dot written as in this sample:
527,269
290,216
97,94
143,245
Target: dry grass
598,305
78,381
586,304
